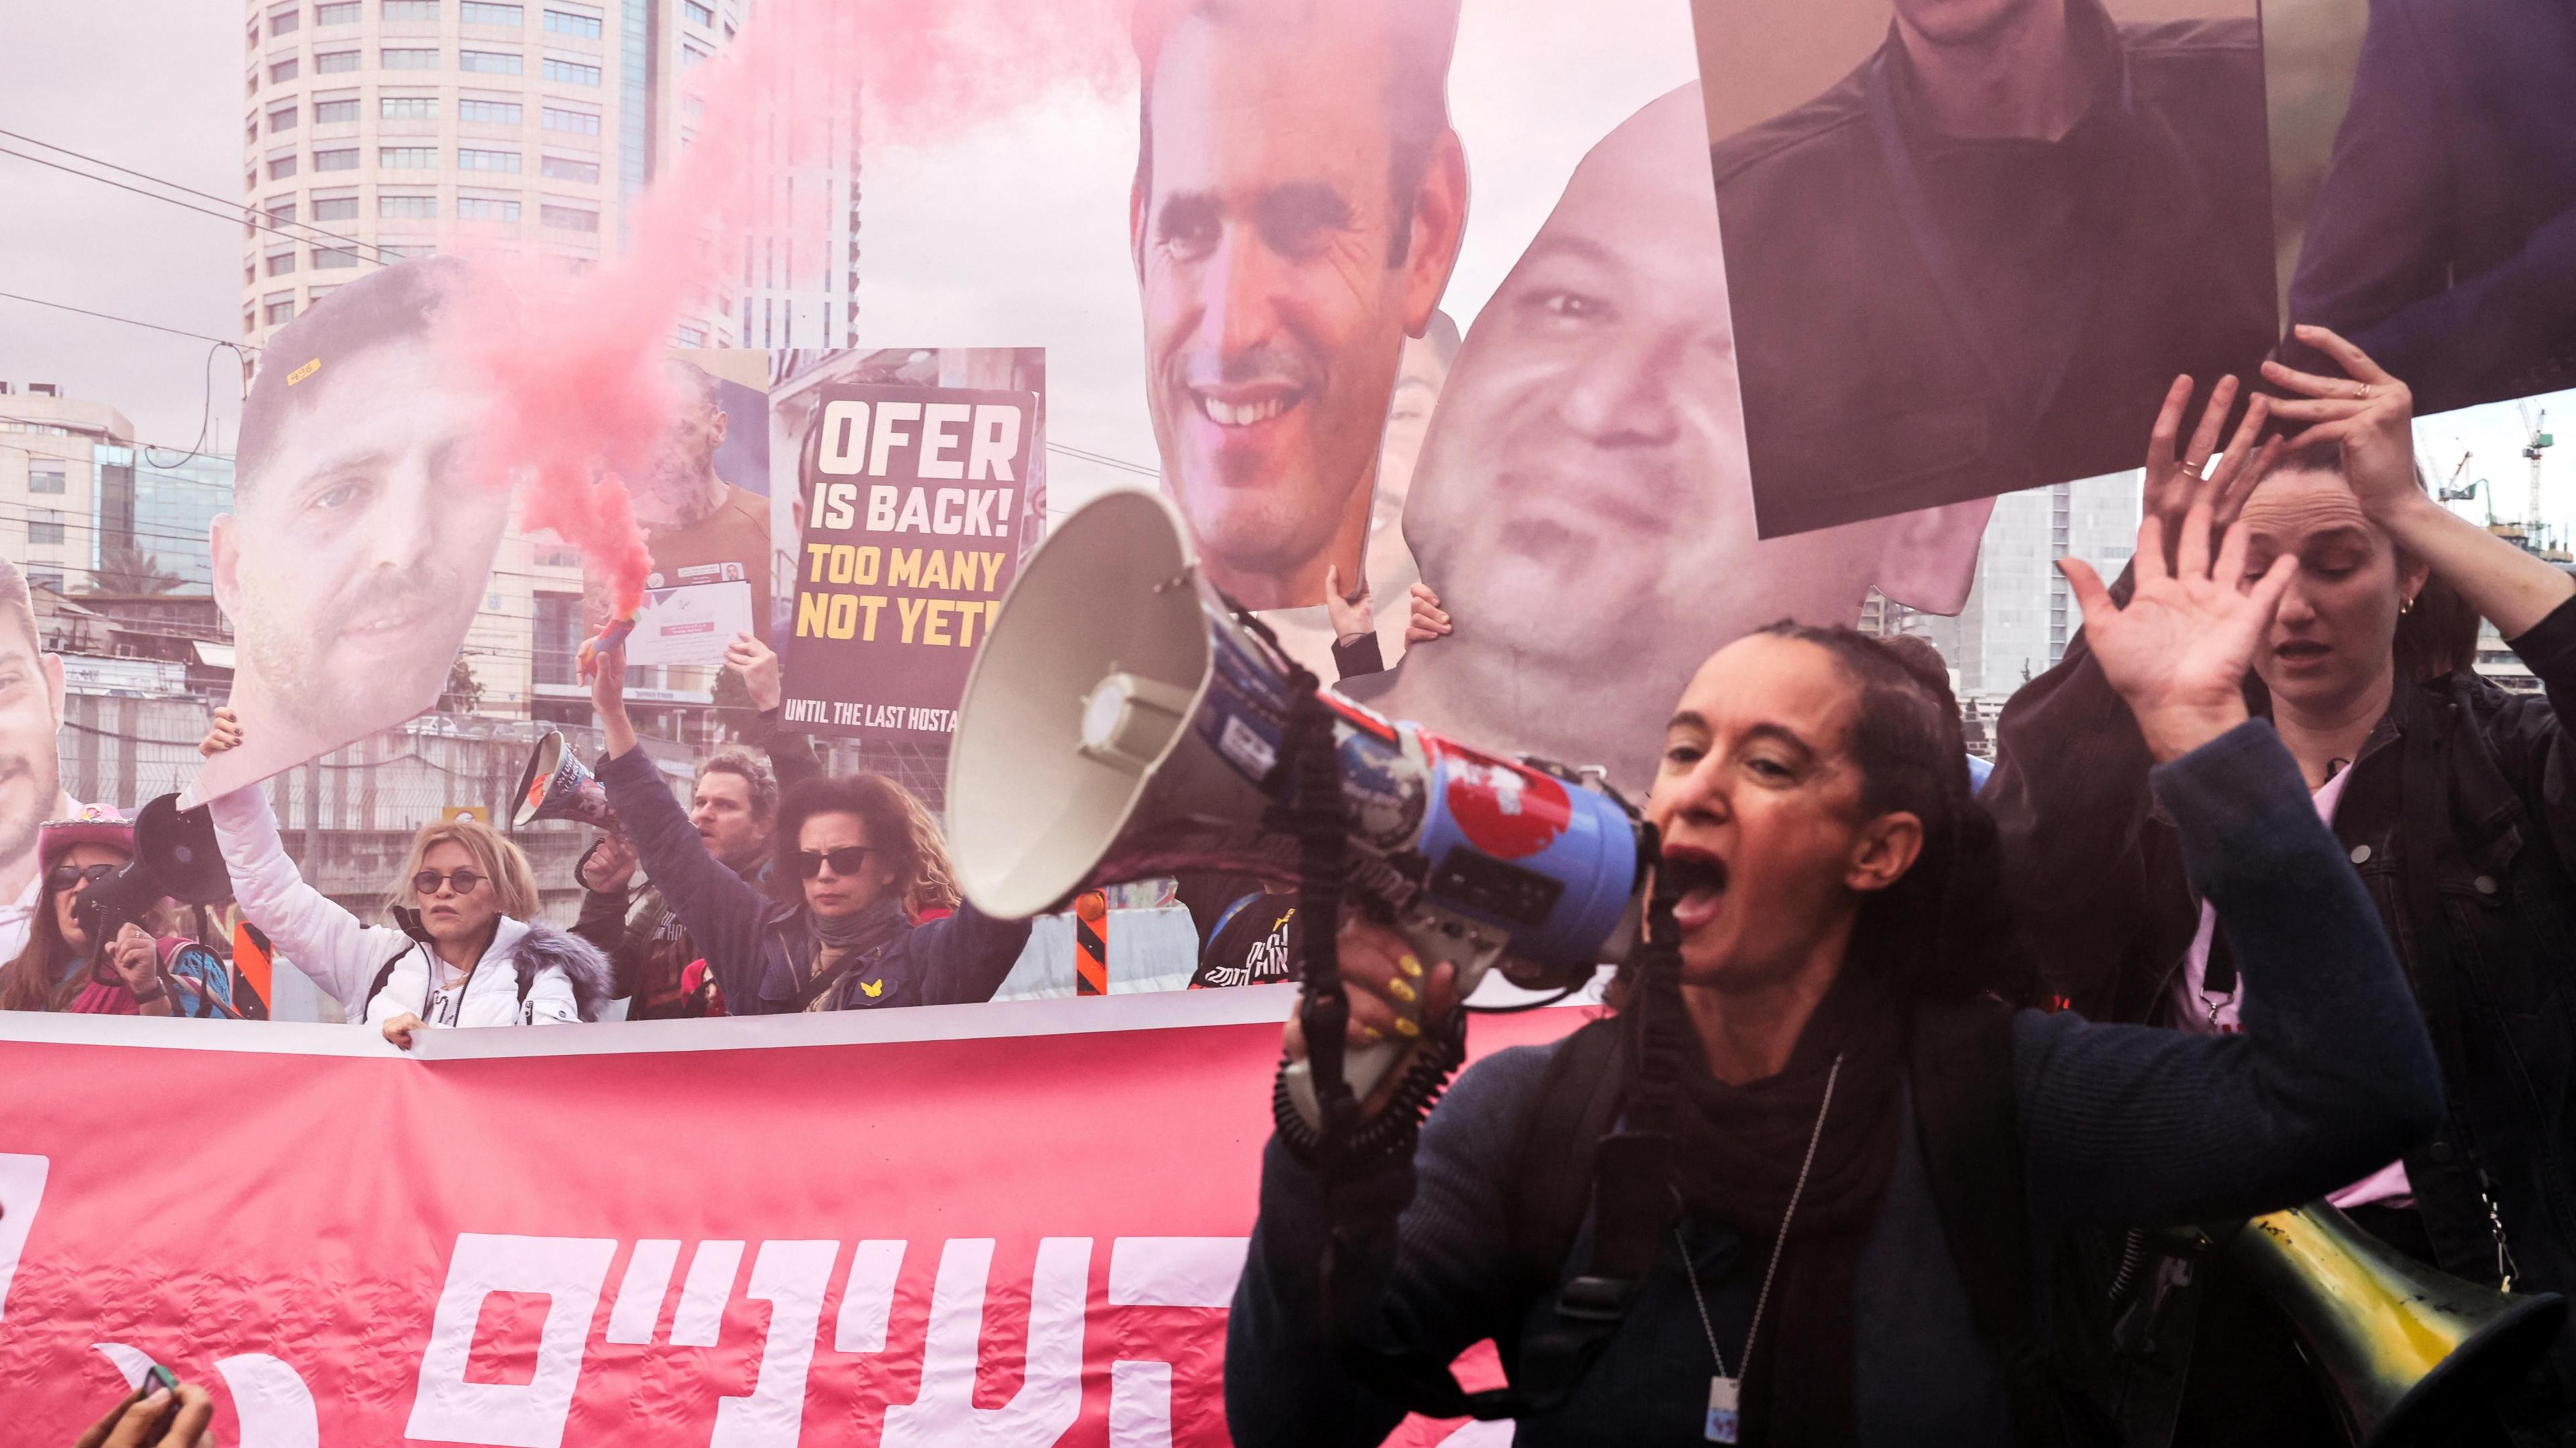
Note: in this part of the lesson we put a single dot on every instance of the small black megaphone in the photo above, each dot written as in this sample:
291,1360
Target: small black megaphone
175,857
558,786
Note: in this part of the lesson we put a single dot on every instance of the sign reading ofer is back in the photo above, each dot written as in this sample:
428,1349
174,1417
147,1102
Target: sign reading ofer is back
909,545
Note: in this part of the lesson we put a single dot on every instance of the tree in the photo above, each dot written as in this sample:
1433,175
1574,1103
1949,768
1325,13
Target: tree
124,568
464,692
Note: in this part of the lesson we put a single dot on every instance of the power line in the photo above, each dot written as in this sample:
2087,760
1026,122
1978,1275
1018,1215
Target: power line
249,216
173,185
129,321
1104,460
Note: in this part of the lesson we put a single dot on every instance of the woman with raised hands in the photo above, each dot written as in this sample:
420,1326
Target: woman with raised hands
2453,800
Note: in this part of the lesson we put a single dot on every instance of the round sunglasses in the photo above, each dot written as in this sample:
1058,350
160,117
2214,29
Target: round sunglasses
463,882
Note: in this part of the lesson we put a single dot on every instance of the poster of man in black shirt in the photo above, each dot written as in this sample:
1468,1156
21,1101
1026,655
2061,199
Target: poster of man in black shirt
1974,263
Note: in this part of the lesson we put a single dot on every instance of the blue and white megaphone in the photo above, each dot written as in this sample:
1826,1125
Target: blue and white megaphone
1120,723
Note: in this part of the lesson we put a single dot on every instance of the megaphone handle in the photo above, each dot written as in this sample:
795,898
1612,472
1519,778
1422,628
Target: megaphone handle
1368,1067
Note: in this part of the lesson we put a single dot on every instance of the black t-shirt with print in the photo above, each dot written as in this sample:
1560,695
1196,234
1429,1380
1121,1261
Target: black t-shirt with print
1257,944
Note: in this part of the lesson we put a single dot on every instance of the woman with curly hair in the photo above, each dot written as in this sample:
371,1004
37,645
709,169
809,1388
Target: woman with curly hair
872,870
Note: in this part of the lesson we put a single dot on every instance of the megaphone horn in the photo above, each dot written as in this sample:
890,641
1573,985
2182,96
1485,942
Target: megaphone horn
177,846
2400,1346
557,786
1120,723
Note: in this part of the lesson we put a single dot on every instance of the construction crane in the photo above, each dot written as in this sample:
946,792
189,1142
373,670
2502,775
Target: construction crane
2539,439
2452,492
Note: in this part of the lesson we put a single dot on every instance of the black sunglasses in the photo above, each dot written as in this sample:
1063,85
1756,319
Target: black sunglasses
64,877
462,881
844,861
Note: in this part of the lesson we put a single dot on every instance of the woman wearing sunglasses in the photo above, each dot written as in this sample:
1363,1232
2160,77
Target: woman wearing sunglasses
142,971
871,868
466,952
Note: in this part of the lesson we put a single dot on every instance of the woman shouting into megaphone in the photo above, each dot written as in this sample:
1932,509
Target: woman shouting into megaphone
1798,1188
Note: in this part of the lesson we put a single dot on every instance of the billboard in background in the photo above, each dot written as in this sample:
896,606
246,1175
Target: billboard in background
914,500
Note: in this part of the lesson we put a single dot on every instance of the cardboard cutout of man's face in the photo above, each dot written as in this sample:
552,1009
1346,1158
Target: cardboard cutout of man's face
1280,276
353,563
1583,503
31,712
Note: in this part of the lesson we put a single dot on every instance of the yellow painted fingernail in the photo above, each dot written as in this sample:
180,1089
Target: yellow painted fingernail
1404,1026
1371,1035
1401,990
1409,965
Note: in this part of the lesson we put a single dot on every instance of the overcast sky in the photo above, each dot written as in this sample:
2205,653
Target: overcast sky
154,85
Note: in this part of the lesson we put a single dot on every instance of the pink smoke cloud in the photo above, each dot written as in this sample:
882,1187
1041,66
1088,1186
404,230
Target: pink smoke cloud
573,360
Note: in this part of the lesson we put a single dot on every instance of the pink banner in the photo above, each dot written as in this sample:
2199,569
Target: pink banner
1013,1224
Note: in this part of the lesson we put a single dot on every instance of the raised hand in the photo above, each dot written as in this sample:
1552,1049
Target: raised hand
2179,652
607,672
757,662
608,866
2180,472
136,959
1351,616
222,734
1425,620
2369,413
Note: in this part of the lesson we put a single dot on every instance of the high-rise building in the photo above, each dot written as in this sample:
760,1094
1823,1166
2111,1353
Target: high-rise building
379,129
2020,613
85,508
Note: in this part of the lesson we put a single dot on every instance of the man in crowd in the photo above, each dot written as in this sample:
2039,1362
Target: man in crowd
1588,438
1972,266
1298,203
700,528
360,539
733,807
31,790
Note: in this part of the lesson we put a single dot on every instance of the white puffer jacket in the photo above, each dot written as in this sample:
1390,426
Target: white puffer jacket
567,976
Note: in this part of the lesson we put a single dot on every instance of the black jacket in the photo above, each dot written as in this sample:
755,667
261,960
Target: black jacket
760,950
2460,818
2081,276
646,942
2443,240
2116,1123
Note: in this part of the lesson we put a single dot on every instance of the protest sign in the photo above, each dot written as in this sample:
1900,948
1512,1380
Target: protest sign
743,1232
909,545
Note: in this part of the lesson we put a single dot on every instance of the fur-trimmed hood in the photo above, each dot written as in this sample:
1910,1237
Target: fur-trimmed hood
542,945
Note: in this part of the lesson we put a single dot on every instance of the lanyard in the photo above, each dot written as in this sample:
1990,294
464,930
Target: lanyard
1723,1422
1949,279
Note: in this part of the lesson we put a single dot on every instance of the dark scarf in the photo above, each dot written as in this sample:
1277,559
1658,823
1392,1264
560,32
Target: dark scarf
1736,1159
846,939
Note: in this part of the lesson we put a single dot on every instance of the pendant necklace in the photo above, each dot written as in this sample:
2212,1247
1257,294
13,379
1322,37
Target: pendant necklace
1724,1423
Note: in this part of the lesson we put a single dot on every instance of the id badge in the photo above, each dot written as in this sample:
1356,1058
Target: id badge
1722,1420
